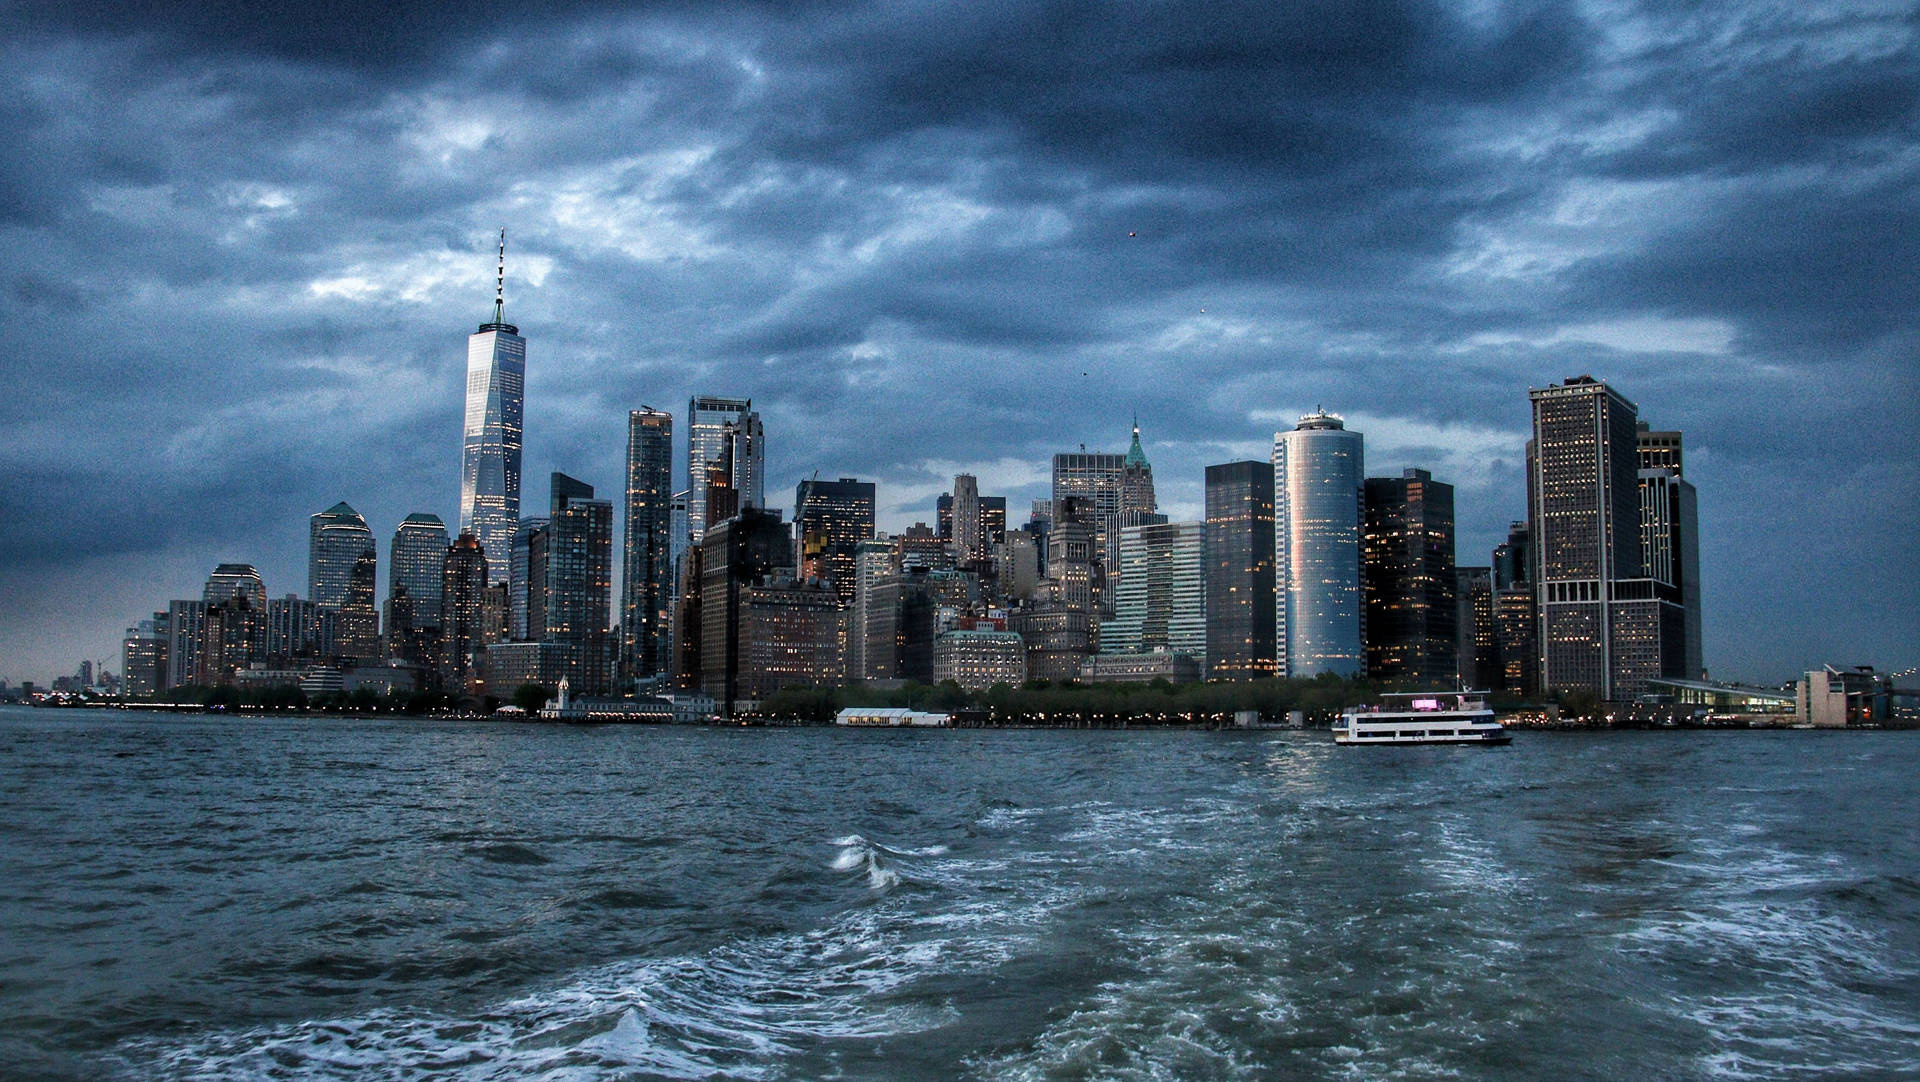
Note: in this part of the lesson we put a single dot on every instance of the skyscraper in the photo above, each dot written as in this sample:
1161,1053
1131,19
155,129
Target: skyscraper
336,539
1318,469
231,580
1240,579
463,586
1584,510
1161,601
1412,627
709,444
341,564
526,583
966,519
490,444
1670,538
414,563
646,590
1477,660
579,582
832,518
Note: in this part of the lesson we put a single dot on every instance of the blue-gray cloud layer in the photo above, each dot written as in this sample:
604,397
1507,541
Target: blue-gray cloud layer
244,251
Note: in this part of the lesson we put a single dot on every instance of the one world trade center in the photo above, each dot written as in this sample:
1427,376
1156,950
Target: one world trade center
490,446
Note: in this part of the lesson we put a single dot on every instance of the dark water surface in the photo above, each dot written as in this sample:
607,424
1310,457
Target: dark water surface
188,897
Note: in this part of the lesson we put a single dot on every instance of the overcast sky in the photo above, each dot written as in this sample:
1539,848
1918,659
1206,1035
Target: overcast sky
243,253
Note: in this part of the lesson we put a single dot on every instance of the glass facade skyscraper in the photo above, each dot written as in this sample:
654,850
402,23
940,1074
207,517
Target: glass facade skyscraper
1240,578
1318,473
414,561
832,518
336,539
1413,629
579,581
710,444
646,589
1161,600
490,444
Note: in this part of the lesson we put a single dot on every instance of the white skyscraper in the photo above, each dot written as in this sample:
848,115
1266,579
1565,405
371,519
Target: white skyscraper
490,445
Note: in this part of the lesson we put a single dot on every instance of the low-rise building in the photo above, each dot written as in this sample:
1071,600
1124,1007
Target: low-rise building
977,660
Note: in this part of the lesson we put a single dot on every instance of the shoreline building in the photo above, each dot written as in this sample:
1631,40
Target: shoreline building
579,582
646,584
1583,509
415,560
1614,534
463,639
711,421
491,435
830,521
341,564
1239,572
1160,603
1413,630
1318,477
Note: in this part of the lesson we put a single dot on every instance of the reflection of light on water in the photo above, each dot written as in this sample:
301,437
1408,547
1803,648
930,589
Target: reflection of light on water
1298,764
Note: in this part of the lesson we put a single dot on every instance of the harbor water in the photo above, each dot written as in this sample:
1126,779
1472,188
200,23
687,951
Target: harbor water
196,897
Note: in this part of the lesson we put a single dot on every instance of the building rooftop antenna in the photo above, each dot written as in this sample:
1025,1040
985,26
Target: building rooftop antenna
500,282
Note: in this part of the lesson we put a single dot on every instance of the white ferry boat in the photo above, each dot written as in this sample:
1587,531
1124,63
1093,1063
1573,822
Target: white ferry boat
1422,718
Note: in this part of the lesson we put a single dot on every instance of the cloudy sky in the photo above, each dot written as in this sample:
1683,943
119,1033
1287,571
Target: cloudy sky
244,251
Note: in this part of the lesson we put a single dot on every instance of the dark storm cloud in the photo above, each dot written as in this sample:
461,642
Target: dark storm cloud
245,246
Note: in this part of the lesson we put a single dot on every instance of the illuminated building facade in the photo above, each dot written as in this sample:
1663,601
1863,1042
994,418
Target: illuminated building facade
1239,572
491,436
1318,474
1407,553
646,585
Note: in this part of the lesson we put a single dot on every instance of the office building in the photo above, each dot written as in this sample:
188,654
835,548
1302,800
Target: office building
579,582
1412,626
898,626
1240,576
792,634
646,585
711,424
414,562
873,562
186,629
143,657
1477,661
979,659
832,519
1584,518
462,619
967,535
336,539
526,618
1160,602
737,554
1670,542
235,580
1515,624
1318,470
491,434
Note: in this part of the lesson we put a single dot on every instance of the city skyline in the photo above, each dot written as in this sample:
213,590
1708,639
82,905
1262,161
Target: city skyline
231,327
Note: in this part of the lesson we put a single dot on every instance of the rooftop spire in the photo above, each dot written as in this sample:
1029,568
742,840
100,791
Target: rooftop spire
1136,456
500,282
500,293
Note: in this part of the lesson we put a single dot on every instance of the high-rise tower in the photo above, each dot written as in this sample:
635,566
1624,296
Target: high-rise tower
1239,551
490,445
1584,506
1318,472
646,591
1413,629
579,581
711,421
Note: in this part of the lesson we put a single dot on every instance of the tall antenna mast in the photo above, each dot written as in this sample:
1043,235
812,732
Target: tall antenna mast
500,282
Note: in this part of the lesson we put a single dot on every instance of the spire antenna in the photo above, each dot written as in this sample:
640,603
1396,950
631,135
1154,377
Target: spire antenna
500,282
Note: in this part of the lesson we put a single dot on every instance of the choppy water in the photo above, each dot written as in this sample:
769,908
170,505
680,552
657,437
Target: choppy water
186,897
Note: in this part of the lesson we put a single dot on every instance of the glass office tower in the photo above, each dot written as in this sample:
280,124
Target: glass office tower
1318,479
646,588
490,445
